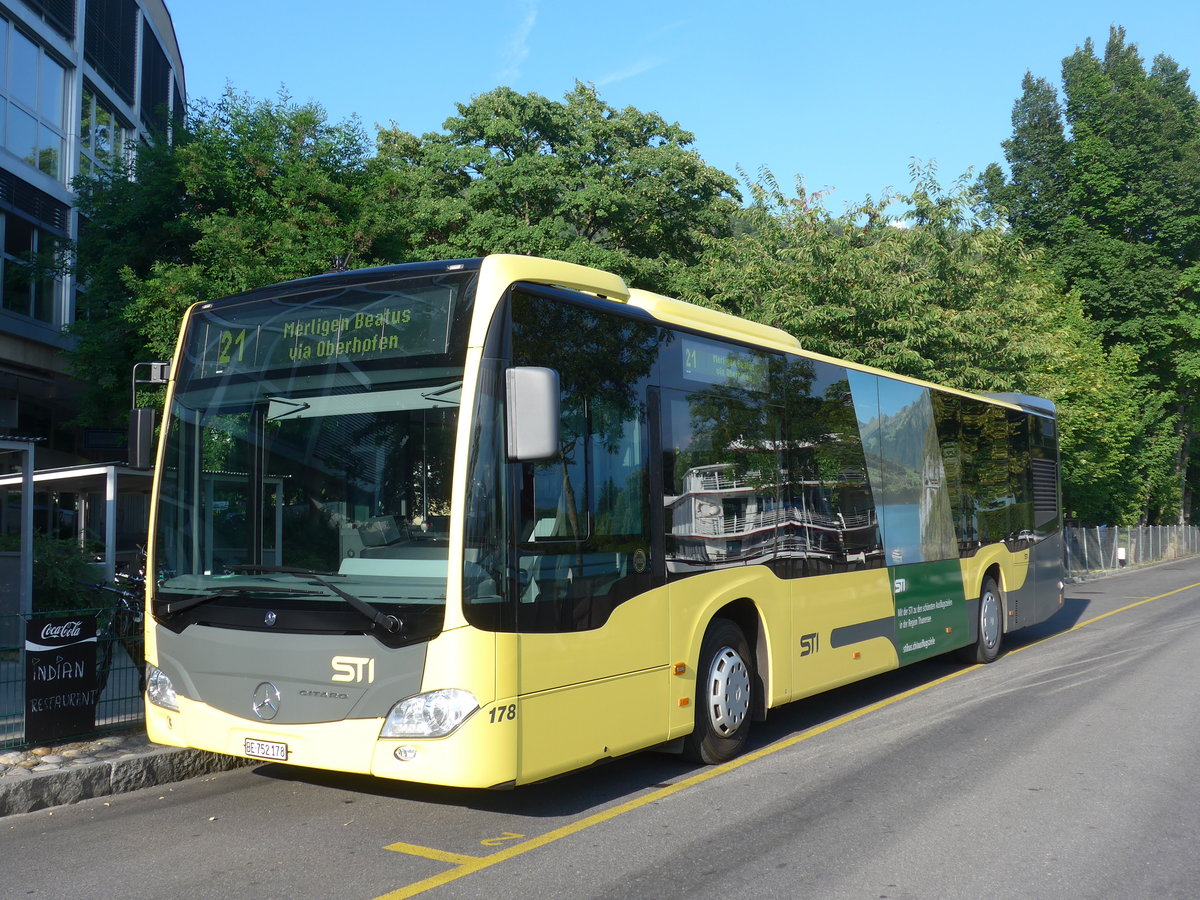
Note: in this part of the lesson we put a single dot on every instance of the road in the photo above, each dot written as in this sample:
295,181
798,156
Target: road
1065,769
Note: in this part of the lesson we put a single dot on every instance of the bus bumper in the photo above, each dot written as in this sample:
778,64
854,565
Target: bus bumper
481,753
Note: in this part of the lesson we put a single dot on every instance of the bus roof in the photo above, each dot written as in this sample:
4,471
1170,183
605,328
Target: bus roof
607,286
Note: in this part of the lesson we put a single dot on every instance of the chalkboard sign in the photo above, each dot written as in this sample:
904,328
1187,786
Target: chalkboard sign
60,677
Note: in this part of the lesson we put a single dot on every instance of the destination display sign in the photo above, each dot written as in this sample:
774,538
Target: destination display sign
351,326
715,363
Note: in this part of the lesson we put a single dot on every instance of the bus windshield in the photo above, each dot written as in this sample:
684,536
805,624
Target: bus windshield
305,484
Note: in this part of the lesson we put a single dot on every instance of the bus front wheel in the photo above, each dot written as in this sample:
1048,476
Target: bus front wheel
991,626
723,695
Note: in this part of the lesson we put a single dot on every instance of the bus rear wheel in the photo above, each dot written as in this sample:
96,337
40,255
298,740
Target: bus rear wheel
991,626
724,695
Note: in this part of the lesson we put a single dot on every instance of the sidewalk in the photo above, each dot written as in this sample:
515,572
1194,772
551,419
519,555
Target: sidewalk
83,770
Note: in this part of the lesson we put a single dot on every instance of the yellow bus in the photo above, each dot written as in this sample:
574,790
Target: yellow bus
482,522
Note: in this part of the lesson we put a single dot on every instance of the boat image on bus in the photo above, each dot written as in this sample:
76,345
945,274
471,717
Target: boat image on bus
482,522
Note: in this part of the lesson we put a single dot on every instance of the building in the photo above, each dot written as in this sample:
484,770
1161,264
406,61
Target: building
81,83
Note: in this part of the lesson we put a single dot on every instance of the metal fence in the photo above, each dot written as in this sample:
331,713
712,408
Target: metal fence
1104,549
119,672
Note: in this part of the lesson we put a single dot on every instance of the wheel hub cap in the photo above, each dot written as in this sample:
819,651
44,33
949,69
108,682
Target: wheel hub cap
728,691
989,618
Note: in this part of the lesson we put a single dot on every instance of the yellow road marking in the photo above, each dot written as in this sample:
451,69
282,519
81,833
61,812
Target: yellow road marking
502,840
468,865
459,859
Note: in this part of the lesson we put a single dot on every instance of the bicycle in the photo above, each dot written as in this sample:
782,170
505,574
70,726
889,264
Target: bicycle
119,619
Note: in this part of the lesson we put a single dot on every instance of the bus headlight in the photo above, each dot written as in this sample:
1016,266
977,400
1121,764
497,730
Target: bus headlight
431,715
159,688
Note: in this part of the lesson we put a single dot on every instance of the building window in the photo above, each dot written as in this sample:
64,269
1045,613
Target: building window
59,13
110,43
33,96
178,110
156,86
103,138
29,282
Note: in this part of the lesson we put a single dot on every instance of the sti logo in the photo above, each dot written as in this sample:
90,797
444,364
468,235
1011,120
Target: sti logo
809,644
353,668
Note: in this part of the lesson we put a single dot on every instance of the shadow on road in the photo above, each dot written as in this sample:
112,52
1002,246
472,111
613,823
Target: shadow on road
1074,610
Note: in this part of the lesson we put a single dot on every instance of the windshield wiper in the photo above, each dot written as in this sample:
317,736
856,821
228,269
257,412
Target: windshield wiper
444,394
173,607
388,622
289,408
286,570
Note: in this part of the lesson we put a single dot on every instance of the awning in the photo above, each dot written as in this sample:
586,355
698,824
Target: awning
107,479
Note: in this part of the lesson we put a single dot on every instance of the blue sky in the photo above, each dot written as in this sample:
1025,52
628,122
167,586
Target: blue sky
843,95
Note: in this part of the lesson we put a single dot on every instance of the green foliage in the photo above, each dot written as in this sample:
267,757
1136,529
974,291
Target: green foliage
62,575
276,191
943,295
577,180
1101,418
1108,183
131,220
255,192
935,295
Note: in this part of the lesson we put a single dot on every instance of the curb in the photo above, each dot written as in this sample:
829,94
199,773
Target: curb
107,777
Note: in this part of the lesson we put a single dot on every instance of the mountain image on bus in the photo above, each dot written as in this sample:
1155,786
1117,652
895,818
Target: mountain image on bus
481,522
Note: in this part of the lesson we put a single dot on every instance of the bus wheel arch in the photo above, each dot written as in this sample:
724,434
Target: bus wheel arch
745,614
726,693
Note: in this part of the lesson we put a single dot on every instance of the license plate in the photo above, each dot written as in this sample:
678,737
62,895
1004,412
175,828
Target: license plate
266,749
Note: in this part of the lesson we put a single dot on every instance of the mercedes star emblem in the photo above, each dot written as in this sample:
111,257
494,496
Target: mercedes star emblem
265,701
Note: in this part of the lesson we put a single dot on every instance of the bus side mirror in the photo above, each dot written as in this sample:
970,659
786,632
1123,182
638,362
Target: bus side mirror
141,437
533,413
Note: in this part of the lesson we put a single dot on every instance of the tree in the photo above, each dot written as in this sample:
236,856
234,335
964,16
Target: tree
941,295
131,219
1037,154
1108,183
254,192
578,180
